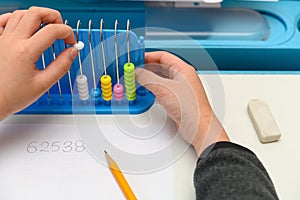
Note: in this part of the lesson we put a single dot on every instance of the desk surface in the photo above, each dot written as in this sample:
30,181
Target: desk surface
282,158
281,92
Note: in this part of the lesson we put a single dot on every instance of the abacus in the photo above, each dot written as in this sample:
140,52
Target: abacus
101,79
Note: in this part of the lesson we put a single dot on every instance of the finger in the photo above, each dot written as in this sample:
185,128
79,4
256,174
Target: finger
45,37
55,70
163,89
161,70
150,80
4,18
172,63
3,21
35,16
14,21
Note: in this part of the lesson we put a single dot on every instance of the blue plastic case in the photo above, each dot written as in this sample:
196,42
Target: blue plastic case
278,49
259,37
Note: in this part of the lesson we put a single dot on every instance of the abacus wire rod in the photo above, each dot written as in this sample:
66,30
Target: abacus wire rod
116,51
127,40
58,82
44,64
102,45
44,67
77,39
69,73
91,53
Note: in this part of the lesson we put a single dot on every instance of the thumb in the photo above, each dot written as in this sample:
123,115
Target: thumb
56,69
150,80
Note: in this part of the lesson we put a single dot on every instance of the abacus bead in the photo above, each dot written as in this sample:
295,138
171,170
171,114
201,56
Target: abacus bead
119,92
129,77
106,87
79,46
82,85
129,67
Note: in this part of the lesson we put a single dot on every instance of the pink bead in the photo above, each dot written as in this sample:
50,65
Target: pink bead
118,92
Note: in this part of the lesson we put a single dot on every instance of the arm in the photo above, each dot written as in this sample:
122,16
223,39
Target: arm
224,170
21,44
230,171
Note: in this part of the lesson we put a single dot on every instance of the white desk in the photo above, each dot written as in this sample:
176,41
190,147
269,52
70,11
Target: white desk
281,92
58,175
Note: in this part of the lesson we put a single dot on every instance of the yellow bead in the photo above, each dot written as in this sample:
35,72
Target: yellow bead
105,79
106,87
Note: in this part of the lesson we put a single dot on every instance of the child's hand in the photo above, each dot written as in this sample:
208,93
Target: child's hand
179,90
21,44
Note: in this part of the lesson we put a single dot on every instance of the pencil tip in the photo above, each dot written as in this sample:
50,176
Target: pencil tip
105,151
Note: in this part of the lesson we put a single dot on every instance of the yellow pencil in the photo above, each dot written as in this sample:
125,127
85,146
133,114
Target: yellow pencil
115,170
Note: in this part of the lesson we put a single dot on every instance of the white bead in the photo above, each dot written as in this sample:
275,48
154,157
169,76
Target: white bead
83,88
79,45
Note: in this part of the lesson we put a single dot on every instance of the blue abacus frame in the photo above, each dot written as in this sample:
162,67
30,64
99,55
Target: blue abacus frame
69,104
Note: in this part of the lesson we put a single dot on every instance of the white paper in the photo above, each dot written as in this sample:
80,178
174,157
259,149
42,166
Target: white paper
41,157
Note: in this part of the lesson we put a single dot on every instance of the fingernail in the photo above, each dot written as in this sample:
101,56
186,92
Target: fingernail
74,52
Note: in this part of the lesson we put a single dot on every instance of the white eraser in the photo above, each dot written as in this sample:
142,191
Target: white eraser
79,45
263,121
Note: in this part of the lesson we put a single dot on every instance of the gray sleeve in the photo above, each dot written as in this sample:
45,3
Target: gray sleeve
230,171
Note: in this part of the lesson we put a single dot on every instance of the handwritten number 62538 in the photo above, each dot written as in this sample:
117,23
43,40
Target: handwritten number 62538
55,146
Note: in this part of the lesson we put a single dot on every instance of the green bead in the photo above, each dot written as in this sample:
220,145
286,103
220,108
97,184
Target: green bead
129,79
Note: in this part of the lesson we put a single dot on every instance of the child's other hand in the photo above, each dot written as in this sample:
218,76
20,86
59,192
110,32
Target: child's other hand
179,90
21,44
